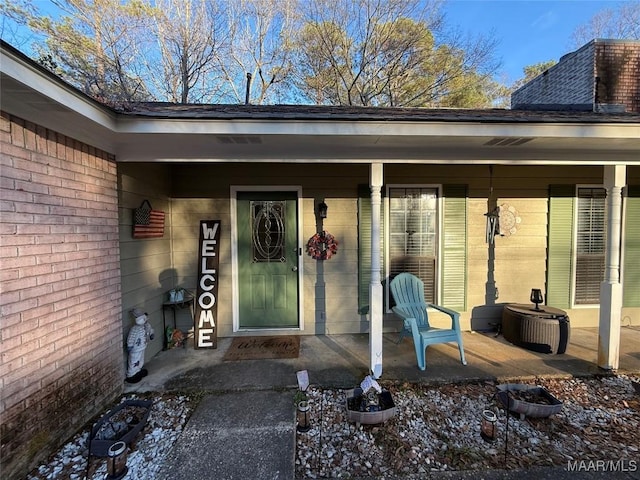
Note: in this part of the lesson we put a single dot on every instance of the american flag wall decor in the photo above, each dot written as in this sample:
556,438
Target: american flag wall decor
147,223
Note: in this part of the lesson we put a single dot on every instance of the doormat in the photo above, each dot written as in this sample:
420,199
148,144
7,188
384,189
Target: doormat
259,348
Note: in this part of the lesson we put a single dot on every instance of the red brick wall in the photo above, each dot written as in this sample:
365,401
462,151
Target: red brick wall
618,72
60,305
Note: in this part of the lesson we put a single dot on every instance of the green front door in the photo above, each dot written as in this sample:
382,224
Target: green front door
267,259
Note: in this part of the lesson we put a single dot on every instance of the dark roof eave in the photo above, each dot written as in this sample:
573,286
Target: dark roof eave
378,114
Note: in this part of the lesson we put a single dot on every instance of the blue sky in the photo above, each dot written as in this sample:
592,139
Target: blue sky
529,31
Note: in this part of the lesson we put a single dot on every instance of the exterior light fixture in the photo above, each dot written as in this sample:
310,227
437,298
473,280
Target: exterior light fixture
117,461
322,210
488,425
536,297
302,416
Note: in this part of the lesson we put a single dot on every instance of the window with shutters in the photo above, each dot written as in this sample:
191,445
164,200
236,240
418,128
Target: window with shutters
413,235
631,248
590,244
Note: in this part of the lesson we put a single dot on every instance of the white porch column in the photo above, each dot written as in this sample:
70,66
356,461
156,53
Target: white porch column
375,287
611,288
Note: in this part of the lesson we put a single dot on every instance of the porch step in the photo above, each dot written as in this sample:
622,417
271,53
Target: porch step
237,435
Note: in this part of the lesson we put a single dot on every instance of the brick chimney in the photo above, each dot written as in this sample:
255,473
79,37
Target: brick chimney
601,76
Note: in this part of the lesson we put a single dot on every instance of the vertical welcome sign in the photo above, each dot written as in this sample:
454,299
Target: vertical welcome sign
206,331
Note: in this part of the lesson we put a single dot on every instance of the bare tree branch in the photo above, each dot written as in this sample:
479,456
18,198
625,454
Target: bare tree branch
620,23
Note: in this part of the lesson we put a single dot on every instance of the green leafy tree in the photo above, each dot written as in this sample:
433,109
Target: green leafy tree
384,53
339,52
532,71
476,91
322,65
93,46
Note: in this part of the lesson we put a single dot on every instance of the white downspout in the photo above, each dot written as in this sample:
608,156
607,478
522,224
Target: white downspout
611,288
375,287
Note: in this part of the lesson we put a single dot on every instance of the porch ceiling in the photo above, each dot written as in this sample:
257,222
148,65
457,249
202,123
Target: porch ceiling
308,133
391,147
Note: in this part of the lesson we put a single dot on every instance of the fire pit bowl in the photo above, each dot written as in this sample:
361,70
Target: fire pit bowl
120,424
387,408
528,400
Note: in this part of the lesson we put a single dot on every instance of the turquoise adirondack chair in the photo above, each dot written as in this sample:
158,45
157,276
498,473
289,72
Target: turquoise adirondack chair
408,292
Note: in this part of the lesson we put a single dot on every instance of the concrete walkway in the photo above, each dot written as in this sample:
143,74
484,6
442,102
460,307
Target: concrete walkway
239,435
245,427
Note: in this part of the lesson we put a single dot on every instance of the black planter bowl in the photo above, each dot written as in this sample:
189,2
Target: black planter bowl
100,447
550,405
388,408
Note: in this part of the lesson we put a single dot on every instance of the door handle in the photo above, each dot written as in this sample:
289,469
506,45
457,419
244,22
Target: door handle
294,269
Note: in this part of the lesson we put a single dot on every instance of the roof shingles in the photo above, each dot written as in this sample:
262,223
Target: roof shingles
351,113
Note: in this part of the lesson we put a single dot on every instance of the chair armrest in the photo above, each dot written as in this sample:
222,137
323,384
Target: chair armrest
399,312
455,316
409,322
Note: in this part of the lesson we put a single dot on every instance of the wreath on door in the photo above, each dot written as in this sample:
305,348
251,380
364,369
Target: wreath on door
322,246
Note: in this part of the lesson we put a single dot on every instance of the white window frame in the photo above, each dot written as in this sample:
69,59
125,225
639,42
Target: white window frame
574,269
387,222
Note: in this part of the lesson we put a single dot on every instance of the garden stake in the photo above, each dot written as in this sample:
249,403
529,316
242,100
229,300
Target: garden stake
506,432
320,432
88,457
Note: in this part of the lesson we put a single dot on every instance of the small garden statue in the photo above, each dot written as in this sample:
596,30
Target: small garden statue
137,340
370,401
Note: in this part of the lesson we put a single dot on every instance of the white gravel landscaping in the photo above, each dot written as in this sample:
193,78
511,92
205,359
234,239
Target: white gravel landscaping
436,428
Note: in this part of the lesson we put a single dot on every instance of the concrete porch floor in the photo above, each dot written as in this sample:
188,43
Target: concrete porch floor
341,361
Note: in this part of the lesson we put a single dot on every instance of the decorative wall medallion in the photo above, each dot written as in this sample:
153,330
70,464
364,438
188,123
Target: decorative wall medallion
509,220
